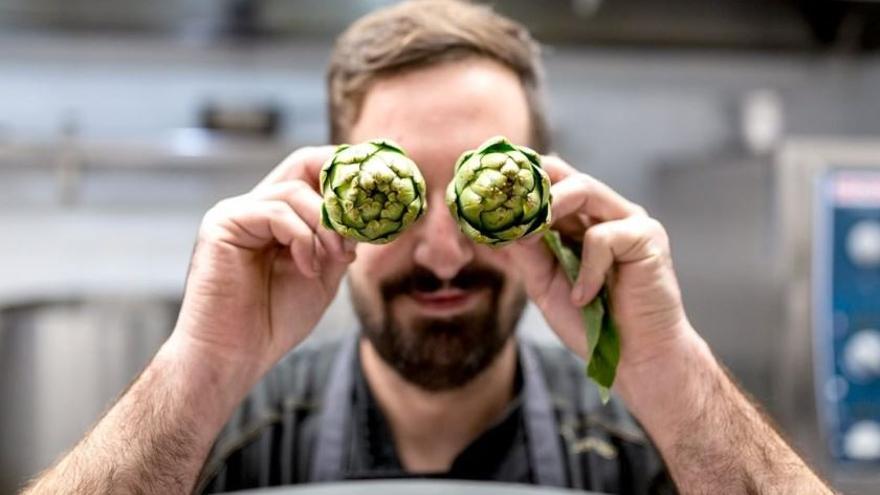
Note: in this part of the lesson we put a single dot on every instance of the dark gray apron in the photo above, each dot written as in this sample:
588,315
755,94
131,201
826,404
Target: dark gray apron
544,445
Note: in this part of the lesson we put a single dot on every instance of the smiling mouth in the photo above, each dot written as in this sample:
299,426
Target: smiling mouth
444,301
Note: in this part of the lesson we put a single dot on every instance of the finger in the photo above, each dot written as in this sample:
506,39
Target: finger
630,240
307,204
303,164
333,273
548,287
557,168
299,237
535,263
258,224
597,258
581,194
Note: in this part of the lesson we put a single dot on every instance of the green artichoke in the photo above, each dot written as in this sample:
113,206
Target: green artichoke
372,191
499,193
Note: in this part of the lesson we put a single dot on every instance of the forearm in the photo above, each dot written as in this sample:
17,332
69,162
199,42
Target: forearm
157,436
711,437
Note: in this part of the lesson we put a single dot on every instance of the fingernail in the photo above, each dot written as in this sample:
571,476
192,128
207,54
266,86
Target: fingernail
349,245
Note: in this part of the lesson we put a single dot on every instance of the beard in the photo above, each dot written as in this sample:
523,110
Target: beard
438,354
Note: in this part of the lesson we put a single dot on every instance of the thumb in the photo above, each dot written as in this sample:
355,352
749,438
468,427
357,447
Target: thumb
548,287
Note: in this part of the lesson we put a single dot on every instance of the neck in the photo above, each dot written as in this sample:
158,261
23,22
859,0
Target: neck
431,428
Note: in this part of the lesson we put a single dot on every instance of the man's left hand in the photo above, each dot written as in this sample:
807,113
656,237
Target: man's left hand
621,246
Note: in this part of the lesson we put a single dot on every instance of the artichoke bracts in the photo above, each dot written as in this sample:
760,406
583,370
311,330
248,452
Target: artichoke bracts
372,191
500,193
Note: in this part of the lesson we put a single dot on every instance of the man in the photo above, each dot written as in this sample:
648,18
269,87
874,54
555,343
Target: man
436,385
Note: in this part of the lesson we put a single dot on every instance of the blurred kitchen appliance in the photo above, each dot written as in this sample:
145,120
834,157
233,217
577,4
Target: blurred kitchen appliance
779,261
243,119
846,308
830,205
61,363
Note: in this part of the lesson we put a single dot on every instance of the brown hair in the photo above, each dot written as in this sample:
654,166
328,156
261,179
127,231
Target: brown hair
420,33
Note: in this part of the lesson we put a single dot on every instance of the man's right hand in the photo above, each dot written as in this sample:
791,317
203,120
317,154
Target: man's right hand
263,271
262,274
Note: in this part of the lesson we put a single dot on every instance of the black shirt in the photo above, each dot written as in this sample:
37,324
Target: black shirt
278,436
499,453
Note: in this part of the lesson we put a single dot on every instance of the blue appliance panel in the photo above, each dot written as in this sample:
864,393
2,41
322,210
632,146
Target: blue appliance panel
846,297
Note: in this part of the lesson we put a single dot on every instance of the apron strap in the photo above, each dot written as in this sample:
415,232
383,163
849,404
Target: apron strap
333,423
545,447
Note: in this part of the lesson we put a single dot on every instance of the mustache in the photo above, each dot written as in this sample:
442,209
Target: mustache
420,279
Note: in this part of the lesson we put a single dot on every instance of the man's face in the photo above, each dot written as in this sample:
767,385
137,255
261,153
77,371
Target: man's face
437,307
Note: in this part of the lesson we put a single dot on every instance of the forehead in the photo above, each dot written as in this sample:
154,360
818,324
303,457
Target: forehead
438,112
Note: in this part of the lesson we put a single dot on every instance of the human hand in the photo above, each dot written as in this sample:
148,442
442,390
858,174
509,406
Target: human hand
619,245
263,270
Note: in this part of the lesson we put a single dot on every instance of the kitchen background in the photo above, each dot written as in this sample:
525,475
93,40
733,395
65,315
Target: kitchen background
122,122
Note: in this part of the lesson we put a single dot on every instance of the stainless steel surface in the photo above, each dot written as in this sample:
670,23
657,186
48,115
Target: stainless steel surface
719,215
189,167
99,251
61,363
408,487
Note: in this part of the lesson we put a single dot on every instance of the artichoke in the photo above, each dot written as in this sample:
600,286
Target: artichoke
499,193
372,191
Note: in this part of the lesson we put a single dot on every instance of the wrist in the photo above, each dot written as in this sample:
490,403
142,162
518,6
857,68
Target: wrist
671,384
215,382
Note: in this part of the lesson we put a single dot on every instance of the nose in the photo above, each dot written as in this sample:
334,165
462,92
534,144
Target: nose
442,248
